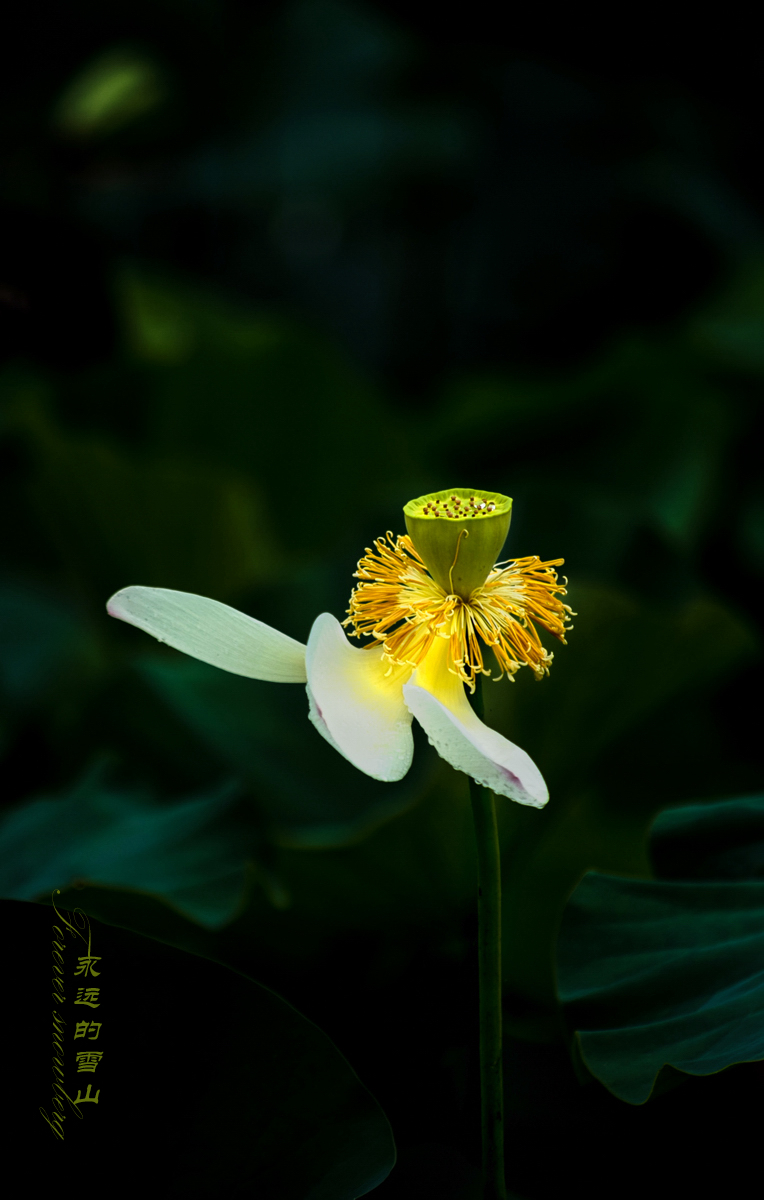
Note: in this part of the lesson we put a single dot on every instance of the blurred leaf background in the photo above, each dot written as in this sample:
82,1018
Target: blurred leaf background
266,273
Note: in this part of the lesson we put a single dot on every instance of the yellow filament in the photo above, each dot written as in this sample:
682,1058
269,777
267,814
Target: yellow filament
399,604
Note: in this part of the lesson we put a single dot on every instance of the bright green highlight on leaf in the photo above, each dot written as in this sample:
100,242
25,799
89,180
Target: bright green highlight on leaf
459,534
118,87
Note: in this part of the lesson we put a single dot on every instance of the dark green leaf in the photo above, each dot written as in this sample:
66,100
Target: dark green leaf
311,794
208,1083
606,679
268,399
730,329
44,642
414,872
671,972
724,840
191,852
168,520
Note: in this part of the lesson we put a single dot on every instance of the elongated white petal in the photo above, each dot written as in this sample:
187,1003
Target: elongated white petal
359,711
438,701
212,632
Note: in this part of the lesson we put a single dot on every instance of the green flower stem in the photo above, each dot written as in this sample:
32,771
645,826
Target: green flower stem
489,970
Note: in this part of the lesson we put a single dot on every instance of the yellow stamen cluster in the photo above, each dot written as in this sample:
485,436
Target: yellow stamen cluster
399,604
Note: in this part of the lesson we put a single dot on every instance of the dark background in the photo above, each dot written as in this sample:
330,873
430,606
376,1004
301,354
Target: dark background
266,273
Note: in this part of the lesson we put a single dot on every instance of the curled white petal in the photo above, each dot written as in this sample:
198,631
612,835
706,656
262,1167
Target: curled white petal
212,632
355,706
438,701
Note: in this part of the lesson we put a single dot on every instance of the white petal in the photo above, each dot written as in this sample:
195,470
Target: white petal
438,701
359,711
212,632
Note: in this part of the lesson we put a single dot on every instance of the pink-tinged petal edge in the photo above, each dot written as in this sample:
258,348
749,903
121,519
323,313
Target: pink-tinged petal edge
461,738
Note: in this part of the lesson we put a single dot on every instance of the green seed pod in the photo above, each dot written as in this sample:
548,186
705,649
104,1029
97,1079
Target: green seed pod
459,534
